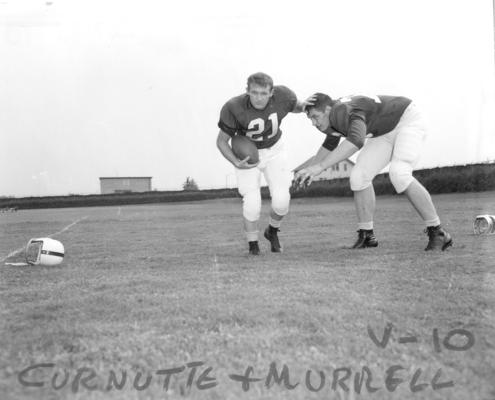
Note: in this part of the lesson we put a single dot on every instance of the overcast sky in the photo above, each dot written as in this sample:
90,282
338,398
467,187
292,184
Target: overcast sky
96,88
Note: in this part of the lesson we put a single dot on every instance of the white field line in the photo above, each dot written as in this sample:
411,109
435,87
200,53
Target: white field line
14,252
216,279
68,226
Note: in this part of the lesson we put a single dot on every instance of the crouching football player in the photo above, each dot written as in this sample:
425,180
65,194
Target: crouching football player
396,129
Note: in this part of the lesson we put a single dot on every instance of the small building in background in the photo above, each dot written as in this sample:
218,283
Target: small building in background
341,170
125,184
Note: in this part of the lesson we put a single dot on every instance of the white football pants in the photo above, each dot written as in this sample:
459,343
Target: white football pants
400,147
274,166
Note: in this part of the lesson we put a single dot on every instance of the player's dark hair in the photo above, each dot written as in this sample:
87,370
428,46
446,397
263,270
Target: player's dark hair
321,101
260,79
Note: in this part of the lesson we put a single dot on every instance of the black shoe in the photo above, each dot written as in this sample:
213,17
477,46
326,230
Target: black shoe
438,238
254,249
366,238
271,235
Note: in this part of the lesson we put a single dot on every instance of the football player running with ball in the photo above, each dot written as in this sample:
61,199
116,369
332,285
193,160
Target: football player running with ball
396,130
258,114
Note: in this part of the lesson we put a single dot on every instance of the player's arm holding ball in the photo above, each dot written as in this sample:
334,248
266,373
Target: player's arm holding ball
228,125
226,150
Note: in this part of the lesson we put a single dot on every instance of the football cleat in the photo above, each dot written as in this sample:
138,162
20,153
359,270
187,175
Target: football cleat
438,238
254,249
272,237
366,238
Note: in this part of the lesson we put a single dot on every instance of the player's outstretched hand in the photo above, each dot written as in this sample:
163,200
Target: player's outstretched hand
297,187
243,164
305,176
299,184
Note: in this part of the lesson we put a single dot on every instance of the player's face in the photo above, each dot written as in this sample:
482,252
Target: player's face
320,119
259,95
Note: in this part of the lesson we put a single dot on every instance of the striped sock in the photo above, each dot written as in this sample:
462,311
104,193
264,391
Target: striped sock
275,223
366,226
432,222
252,236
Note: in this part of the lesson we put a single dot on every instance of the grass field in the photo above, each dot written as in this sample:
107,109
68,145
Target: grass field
144,290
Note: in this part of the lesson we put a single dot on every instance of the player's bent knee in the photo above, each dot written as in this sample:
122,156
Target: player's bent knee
400,173
281,207
280,202
251,205
246,189
359,179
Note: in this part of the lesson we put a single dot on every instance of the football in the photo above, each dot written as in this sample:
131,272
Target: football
243,147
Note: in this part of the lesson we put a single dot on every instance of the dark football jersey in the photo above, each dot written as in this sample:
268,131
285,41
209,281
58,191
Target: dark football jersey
356,116
238,116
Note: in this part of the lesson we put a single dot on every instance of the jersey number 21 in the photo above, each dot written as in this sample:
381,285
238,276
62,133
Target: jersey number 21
257,126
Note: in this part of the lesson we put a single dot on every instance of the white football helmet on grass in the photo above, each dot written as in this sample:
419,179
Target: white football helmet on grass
484,225
44,251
